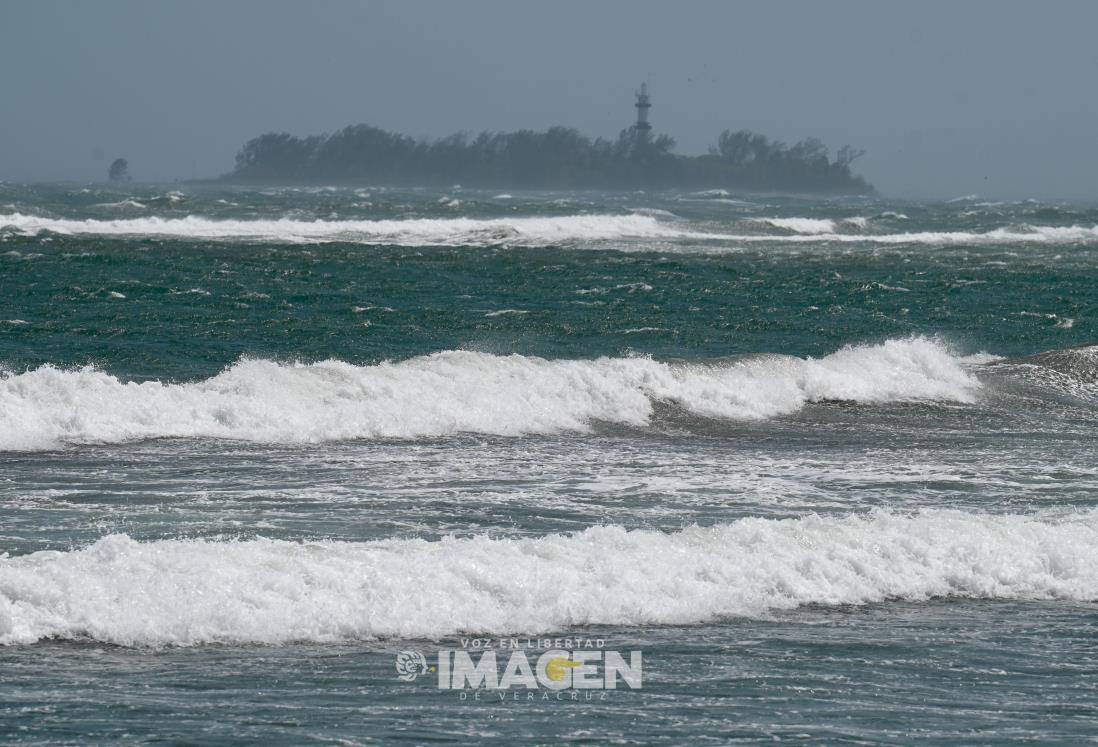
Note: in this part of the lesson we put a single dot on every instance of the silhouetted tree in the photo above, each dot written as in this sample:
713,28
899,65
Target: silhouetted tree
277,156
848,155
119,170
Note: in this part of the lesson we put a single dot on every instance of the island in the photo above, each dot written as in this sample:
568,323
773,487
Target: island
558,158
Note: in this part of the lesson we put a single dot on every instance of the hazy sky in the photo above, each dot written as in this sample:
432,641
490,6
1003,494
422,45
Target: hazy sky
948,98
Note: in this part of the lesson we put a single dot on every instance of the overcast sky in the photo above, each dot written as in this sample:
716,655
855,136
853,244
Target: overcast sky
947,98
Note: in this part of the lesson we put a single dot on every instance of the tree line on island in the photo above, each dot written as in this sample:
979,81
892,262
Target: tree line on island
560,157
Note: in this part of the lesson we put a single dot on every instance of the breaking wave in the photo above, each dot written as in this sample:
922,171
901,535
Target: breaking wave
188,592
801,225
533,231
1078,363
459,391
407,232
811,231
857,231
1009,235
1070,371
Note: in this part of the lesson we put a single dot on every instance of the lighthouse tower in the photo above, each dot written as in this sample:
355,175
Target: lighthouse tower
643,105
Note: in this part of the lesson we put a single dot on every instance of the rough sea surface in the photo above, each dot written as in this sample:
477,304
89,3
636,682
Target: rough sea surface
830,463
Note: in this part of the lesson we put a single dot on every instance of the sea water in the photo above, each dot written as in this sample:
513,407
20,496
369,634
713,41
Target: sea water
829,464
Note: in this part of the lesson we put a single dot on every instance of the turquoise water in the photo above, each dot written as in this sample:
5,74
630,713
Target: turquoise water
829,463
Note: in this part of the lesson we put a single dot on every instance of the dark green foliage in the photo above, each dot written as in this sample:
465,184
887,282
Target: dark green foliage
119,170
749,158
560,157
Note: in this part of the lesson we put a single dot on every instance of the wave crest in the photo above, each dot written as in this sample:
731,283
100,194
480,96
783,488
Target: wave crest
534,231
459,391
406,232
186,592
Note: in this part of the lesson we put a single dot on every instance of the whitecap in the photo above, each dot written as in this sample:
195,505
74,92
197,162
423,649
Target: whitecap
531,231
800,225
459,392
192,591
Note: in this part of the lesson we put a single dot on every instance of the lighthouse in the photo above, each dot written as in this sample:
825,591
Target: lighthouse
643,105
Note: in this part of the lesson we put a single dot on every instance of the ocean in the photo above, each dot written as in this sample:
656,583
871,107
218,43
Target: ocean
275,463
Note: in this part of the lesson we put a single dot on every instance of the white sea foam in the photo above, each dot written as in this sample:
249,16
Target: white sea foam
654,212
981,358
410,232
528,231
817,230
719,201
719,196
1009,235
188,592
129,202
801,225
458,391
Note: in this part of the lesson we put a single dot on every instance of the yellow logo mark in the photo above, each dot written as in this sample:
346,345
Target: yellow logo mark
556,668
